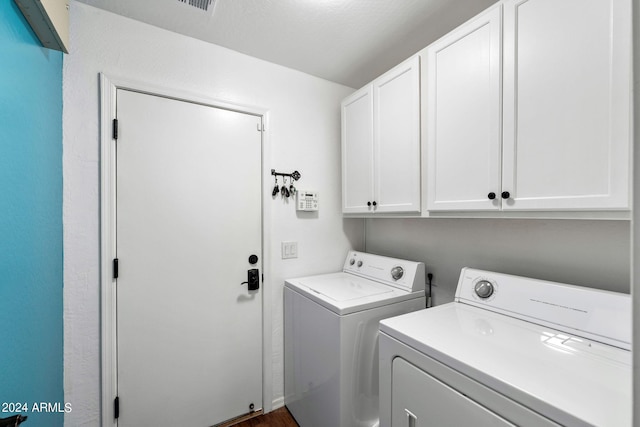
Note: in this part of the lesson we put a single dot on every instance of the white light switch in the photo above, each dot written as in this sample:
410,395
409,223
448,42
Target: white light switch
289,250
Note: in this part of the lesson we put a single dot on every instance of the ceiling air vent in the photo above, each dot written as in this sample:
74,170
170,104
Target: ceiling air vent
200,4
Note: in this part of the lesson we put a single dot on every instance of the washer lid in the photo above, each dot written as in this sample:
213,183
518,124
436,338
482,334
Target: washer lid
345,293
344,288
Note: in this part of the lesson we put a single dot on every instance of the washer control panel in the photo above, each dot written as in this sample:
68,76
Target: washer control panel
403,274
483,288
397,272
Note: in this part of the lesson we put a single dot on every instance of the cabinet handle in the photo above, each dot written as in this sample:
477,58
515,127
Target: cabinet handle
375,203
505,195
411,418
368,203
491,195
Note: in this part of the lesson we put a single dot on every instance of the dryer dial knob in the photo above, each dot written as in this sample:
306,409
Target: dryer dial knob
352,261
397,272
484,289
360,263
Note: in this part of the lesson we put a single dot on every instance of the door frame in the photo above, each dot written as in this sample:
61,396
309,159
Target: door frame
108,351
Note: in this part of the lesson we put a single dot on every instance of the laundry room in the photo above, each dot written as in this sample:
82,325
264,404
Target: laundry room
77,214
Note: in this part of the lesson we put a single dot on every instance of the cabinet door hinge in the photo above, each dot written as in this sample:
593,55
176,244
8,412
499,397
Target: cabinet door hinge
116,407
115,268
115,129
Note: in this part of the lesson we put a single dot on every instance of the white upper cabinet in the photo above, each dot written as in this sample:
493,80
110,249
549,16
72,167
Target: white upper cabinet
463,115
567,104
357,151
550,128
381,144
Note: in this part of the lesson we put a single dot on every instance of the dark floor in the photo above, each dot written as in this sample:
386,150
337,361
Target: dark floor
278,418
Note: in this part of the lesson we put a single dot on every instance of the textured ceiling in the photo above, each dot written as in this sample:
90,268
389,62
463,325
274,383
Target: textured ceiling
346,41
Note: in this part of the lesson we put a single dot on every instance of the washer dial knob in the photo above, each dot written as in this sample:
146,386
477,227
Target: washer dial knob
360,263
352,261
484,289
397,272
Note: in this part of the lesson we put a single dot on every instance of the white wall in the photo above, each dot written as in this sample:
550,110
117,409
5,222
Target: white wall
580,252
304,134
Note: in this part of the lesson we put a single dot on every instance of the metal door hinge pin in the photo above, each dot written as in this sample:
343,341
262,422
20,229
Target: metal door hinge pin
115,129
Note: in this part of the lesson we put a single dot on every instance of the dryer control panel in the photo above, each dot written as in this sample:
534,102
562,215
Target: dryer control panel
595,314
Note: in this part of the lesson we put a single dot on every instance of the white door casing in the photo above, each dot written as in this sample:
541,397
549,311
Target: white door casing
176,301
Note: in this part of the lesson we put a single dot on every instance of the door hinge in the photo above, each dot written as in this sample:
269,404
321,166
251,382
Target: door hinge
115,268
115,129
116,407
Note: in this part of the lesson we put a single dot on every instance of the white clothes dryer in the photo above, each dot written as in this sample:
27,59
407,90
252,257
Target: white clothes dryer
331,337
509,351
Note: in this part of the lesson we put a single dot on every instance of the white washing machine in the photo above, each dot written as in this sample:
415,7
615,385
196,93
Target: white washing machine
509,351
331,337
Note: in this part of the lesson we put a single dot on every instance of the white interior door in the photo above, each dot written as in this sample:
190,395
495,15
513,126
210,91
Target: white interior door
189,335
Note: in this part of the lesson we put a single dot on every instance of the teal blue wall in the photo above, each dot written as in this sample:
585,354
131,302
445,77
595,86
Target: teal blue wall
31,358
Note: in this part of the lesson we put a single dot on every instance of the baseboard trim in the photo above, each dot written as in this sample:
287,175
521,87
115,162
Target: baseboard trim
278,403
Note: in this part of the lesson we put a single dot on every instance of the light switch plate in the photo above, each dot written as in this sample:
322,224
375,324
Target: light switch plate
289,250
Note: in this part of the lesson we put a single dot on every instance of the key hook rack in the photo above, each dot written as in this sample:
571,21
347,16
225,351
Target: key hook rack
285,191
295,175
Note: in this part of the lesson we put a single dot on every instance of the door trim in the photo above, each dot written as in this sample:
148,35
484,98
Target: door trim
108,351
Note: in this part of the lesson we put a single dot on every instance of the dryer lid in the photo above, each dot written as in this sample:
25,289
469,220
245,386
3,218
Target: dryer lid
344,288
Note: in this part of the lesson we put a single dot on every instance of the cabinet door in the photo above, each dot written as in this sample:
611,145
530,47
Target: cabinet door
357,151
397,138
420,400
567,97
463,116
